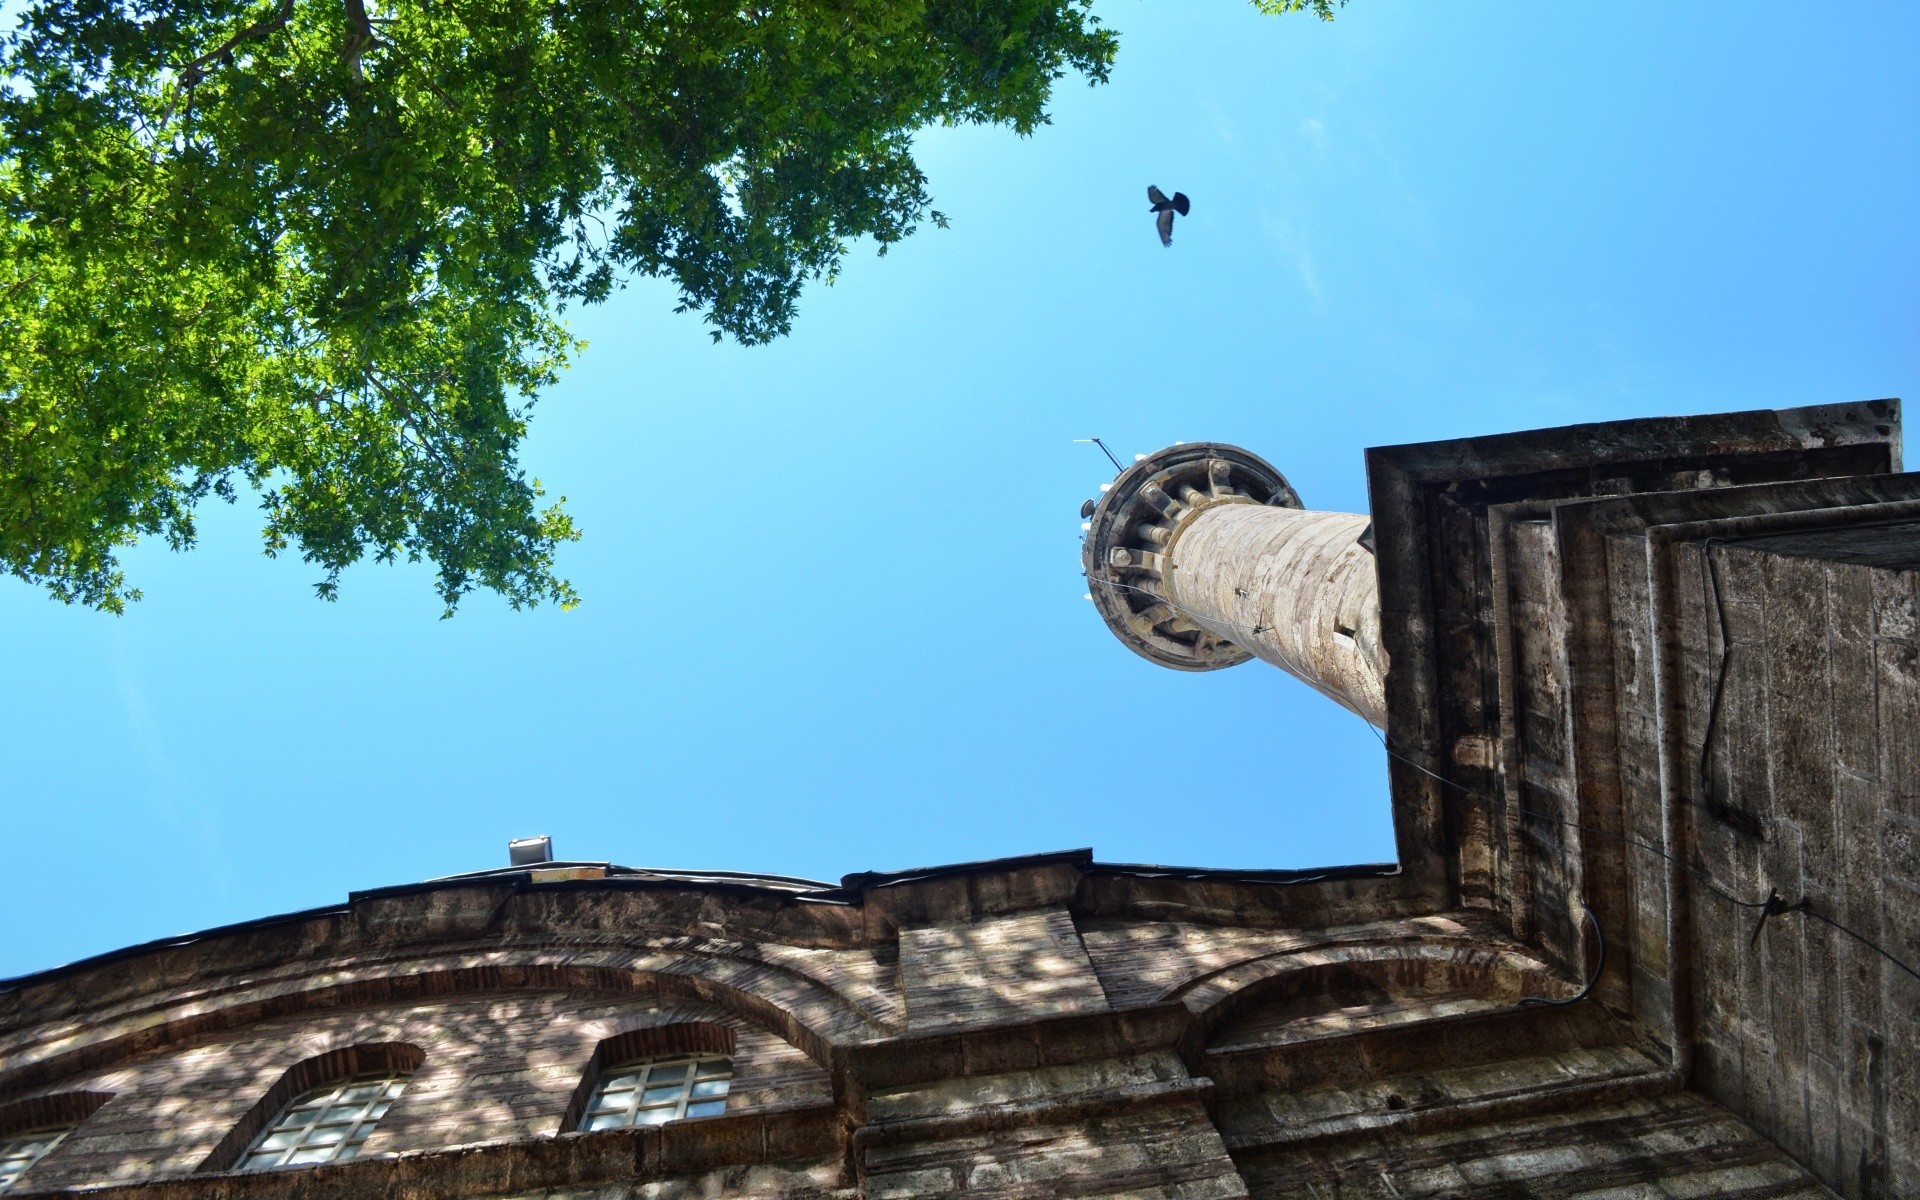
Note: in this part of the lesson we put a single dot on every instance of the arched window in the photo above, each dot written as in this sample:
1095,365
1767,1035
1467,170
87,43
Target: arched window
18,1151
655,1091
325,1124
652,1076
30,1129
322,1110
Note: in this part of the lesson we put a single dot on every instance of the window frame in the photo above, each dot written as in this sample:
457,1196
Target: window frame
58,1114
676,1040
660,1090
59,1134
327,1104
300,1080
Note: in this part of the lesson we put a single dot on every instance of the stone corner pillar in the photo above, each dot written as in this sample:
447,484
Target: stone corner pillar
1200,557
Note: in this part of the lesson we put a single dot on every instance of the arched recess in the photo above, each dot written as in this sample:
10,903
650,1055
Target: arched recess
48,1112
1329,990
398,1058
653,1041
800,1011
34,1128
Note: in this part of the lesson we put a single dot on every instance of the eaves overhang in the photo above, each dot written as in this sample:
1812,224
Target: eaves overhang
893,896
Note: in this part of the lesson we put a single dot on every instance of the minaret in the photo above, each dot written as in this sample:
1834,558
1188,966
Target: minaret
1200,557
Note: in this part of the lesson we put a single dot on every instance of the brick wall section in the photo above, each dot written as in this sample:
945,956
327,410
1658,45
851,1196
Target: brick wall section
1636,713
1667,1147
1174,1155
1043,1091
974,1093
1262,1121
1140,961
496,1068
1513,1108
1470,720
1130,1126
735,1183
994,969
1815,780
1541,875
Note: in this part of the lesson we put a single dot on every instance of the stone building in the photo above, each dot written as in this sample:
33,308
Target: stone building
1653,705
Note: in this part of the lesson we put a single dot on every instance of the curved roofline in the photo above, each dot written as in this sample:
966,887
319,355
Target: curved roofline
850,891
615,870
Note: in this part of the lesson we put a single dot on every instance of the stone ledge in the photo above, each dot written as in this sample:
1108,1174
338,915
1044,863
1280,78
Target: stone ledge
1567,1094
1046,1110
1498,1035
804,1136
1020,1044
1537,1102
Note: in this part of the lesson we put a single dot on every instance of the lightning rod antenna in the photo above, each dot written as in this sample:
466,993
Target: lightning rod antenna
1103,449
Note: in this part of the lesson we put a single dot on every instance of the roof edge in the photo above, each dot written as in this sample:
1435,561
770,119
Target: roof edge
851,891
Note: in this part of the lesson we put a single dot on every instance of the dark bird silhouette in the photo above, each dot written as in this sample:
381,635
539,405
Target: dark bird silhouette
1166,208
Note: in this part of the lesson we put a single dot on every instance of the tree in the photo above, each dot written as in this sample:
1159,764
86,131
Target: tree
322,247
1321,8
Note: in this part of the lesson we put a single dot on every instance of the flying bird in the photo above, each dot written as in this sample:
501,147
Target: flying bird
1166,208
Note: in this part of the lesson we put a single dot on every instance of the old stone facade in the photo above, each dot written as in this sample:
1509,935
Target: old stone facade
1637,678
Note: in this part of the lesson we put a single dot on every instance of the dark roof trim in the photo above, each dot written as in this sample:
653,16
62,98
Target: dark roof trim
167,943
1221,875
849,892
524,877
862,881
784,882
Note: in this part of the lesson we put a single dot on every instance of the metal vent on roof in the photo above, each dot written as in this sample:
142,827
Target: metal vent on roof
525,852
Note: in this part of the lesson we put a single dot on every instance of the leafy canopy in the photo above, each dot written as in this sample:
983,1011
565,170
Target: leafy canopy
321,247
1320,8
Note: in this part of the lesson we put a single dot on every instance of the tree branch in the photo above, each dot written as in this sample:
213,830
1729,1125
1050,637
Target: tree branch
359,34
195,71
407,60
411,419
20,284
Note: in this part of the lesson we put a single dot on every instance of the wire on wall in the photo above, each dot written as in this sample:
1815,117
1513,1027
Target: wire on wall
1773,906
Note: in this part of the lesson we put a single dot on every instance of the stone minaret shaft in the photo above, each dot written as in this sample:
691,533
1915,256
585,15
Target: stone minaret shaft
1200,557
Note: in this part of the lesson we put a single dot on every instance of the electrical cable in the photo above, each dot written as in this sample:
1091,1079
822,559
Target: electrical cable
1710,579
1522,809
1772,906
1600,939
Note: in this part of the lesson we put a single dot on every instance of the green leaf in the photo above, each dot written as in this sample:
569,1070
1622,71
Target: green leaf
259,242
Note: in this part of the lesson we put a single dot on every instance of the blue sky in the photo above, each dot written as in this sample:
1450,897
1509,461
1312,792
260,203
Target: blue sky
833,620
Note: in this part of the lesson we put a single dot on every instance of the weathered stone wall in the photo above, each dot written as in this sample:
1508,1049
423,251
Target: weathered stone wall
997,969
1471,706
1052,1026
1670,1146
1535,862
1066,1055
1812,792
495,1068
1017,1134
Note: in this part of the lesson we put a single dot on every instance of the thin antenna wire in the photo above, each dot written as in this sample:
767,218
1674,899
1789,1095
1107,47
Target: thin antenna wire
1103,449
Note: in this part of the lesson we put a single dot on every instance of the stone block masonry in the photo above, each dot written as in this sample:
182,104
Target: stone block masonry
1629,674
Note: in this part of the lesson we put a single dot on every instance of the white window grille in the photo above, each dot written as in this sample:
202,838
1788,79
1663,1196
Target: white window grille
18,1151
659,1090
327,1124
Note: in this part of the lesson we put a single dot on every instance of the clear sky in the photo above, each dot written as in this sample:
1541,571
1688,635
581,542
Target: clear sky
833,617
